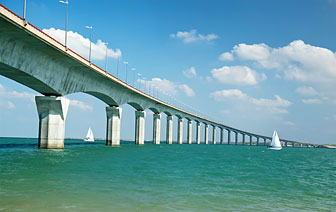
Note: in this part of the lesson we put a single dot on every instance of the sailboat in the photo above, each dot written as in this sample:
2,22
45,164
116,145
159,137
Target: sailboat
276,145
89,136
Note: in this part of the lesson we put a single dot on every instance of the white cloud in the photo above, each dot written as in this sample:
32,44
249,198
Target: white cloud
237,75
276,105
231,93
81,45
190,72
165,86
258,52
226,56
306,91
22,95
298,61
187,90
7,97
289,123
81,105
312,101
192,36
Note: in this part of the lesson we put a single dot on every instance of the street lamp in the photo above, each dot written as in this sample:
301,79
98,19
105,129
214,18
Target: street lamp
66,21
90,28
144,79
133,69
126,64
106,58
118,66
139,77
24,10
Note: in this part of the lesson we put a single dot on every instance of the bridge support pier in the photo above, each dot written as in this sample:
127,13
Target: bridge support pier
250,140
198,133
180,131
243,142
206,134
156,128
229,136
52,112
113,115
140,127
236,138
264,141
189,135
169,132
257,141
213,134
221,136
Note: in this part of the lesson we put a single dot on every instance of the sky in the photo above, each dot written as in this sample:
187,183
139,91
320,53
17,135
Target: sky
256,65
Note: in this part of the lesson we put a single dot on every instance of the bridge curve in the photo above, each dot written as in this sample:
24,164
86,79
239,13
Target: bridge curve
36,60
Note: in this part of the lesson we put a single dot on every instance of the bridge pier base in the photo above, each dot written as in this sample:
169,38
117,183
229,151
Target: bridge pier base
156,128
140,127
169,132
221,136
180,131
113,115
213,134
206,134
229,136
189,135
198,133
52,112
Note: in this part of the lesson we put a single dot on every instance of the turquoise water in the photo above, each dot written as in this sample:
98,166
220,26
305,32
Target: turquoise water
93,177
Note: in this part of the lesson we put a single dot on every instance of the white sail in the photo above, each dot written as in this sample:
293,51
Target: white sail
89,136
275,141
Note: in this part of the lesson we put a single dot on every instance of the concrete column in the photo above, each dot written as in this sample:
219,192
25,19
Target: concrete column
236,138
243,139
213,134
169,131
189,133
113,115
250,140
257,141
221,136
140,127
156,128
180,131
52,112
229,137
264,141
206,134
198,133
286,143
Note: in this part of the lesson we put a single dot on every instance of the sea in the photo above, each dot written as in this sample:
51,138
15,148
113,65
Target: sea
94,177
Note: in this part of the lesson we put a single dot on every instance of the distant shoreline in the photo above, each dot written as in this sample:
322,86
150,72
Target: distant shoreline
327,146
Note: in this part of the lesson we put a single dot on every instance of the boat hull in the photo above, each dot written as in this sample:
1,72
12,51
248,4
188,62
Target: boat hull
275,148
89,140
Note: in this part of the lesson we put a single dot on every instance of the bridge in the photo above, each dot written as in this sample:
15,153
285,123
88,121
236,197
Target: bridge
36,60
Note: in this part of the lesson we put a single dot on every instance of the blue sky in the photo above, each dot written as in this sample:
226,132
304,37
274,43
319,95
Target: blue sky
257,65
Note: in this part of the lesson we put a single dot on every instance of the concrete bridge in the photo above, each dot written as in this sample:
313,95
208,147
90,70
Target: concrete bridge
36,60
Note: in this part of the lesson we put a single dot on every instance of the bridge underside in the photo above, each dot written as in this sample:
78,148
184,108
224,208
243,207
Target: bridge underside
27,80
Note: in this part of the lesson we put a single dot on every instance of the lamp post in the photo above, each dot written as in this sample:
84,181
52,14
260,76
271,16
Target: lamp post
90,27
106,58
24,10
126,65
139,77
118,66
66,21
133,69
144,79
